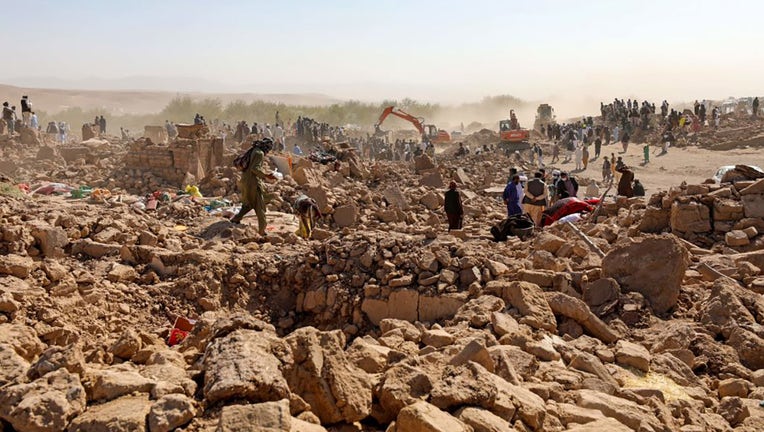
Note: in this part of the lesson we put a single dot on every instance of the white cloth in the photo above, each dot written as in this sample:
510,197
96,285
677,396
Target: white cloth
520,194
575,217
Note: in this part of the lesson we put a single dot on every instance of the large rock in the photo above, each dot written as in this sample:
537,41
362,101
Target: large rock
55,357
753,205
723,307
318,193
51,240
625,411
116,381
12,365
22,339
478,311
728,210
423,162
602,291
531,409
655,220
430,200
126,414
653,266
529,300
423,417
127,345
571,307
691,217
483,420
346,215
405,383
606,424
16,265
395,198
47,404
548,242
433,179
736,238
749,346
246,364
325,378
170,412
306,176
467,384
369,355
262,417
434,308
633,355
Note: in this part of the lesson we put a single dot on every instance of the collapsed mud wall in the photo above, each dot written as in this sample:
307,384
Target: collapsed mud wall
174,161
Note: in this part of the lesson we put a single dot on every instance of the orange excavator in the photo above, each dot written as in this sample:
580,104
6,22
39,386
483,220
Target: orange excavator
429,132
512,135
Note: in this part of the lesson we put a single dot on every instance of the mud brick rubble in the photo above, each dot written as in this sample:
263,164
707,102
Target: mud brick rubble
382,322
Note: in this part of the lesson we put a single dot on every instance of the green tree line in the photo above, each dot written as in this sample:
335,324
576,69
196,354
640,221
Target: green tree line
182,109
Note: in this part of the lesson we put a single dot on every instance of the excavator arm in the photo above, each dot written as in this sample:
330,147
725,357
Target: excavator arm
417,122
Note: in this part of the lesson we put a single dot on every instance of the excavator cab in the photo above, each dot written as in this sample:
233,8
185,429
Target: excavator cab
513,139
430,133
437,136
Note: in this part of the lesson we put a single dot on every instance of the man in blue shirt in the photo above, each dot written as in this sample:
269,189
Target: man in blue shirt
512,196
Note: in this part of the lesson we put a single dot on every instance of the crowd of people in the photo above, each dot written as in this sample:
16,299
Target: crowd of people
11,121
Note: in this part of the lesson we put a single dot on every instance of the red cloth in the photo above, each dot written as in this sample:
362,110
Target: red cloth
566,206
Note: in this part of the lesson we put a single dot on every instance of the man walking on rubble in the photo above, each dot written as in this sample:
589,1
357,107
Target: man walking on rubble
535,199
8,118
253,195
607,174
26,110
453,207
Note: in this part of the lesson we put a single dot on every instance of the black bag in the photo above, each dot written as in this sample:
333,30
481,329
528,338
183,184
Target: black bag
510,226
242,161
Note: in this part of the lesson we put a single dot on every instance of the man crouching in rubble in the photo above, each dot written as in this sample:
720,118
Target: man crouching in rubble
253,195
306,210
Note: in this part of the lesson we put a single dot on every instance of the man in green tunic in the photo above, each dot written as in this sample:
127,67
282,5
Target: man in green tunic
253,195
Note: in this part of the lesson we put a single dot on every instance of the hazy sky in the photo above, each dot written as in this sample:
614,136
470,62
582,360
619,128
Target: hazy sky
438,50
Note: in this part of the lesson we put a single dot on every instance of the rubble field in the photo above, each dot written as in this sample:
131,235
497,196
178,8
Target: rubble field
649,319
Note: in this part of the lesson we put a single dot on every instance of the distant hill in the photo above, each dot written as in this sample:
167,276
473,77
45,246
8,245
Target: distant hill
139,101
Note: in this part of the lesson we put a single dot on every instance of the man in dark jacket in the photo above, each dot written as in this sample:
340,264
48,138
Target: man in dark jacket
624,184
453,207
566,187
638,189
26,110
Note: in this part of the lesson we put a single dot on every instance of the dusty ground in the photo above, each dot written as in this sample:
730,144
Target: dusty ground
689,164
